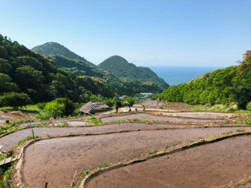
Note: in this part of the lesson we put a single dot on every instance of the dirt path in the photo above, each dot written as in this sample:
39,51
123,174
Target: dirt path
224,163
60,158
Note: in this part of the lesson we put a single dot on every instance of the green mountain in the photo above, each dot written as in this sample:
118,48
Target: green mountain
120,67
120,84
25,71
57,49
63,57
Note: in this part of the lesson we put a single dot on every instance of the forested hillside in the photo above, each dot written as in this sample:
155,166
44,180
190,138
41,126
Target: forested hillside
115,65
24,71
84,69
222,86
120,67
45,78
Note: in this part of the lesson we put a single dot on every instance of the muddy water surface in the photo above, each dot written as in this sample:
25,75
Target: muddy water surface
223,163
60,158
10,141
155,118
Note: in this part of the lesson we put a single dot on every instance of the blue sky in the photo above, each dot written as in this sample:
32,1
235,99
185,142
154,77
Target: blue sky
145,32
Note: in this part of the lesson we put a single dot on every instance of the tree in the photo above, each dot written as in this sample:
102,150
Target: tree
242,84
6,84
118,105
130,101
5,66
15,100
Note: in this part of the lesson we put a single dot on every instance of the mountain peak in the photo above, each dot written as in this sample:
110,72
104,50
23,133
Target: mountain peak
55,48
120,67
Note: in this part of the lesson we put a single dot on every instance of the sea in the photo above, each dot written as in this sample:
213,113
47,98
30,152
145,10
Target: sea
174,75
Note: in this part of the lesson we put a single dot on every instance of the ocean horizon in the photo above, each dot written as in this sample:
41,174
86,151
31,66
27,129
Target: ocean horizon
174,75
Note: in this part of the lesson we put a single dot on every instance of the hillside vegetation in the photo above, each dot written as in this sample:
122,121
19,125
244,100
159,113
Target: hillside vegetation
222,86
120,83
120,67
24,71
28,76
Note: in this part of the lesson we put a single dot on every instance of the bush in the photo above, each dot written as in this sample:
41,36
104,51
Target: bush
130,101
15,100
124,103
109,102
41,105
59,107
42,116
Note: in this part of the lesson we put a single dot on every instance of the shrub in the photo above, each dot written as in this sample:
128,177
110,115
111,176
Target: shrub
124,103
59,107
130,101
109,102
15,100
42,116
41,105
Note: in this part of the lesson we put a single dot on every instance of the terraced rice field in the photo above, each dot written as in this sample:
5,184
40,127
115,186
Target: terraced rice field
61,155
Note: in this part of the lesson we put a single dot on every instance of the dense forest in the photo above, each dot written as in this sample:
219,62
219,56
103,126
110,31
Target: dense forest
45,78
114,66
120,67
222,86
24,71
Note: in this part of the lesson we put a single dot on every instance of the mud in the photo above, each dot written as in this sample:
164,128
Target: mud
152,118
57,159
224,163
60,158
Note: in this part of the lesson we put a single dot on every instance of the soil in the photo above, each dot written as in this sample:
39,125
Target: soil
60,158
221,164
14,116
152,118
57,159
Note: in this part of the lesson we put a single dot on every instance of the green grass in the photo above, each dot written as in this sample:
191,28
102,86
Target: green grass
95,121
7,126
3,156
142,121
246,121
2,131
28,107
240,130
152,152
166,147
213,136
119,121
168,105
228,132
104,165
64,124
138,156
222,108
212,123
187,105
6,179
31,108
26,139
84,174
21,121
